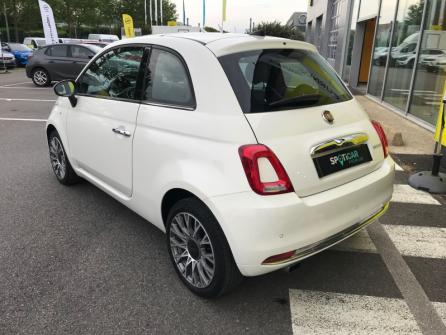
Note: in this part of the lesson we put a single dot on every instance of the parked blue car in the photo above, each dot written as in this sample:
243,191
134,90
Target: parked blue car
20,51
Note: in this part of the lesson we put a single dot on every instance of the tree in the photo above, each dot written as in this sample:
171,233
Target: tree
211,29
414,14
78,18
277,29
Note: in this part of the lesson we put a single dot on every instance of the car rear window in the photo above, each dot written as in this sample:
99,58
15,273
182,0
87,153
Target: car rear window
282,79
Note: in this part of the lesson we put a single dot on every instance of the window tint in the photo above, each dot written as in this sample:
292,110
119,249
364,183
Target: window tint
58,51
278,79
114,74
167,80
80,52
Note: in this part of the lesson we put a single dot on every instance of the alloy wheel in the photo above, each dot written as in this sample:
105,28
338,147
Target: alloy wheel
57,158
40,77
192,250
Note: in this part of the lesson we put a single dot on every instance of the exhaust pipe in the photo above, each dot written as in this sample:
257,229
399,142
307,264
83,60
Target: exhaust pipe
292,267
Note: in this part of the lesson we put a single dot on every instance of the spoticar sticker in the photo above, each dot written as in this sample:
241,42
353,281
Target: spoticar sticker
350,157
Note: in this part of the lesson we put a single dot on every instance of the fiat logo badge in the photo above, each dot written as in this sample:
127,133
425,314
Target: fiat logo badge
328,117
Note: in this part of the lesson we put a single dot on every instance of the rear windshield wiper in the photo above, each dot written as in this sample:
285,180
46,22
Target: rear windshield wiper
301,100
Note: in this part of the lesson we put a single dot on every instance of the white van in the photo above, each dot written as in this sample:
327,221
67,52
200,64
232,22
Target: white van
34,42
103,37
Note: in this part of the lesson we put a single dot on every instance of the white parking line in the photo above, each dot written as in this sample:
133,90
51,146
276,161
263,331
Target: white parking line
15,119
32,100
407,194
15,84
25,88
440,307
315,313
429,242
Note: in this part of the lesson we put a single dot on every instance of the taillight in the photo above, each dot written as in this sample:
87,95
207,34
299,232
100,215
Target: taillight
250,156
280,258
382,136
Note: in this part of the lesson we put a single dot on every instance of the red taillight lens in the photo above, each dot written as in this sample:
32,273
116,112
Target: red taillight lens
279,258
382,136
250,155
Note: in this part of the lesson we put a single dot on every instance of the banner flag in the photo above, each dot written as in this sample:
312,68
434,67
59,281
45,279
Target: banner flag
128,26
224,10
49,25
441,121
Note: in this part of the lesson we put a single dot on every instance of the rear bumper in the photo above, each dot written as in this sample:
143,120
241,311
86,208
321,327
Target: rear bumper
7,63
258,227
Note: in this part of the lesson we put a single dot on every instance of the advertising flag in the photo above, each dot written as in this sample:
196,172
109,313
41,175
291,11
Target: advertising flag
441,121
49,25
224,10
128,26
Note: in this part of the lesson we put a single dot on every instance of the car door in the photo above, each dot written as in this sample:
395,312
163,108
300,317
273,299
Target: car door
101,126
57,62
79,57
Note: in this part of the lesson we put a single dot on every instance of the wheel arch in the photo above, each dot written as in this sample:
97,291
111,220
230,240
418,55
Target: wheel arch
171,197
49,129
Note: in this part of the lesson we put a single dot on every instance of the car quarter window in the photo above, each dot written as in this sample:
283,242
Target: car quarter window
80,52
58,51
114,74
167,80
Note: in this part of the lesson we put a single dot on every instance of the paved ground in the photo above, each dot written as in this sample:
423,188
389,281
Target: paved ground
73,260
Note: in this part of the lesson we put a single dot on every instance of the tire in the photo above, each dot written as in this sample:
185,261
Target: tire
59,161
41,77
192,255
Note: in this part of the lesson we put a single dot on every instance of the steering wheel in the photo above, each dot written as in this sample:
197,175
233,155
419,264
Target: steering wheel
120,87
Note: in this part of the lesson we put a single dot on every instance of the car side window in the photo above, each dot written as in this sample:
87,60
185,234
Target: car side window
114,74
167,80
58,51
80,52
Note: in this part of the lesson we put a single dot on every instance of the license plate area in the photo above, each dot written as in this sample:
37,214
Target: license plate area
340,160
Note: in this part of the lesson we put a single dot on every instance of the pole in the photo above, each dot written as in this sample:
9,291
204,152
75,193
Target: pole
145,12
156,12
204,13
250,24
184,14
150,12
161,11
8,38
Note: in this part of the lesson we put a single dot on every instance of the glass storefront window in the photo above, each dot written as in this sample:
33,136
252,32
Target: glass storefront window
351,38
381,50
430,74
403,52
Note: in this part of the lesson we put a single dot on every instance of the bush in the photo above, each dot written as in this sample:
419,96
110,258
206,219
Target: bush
278,30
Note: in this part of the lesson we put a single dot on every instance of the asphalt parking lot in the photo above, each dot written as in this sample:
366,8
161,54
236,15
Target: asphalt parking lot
74,260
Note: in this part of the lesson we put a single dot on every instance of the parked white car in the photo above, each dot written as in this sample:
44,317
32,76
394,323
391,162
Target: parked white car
103,37
249,152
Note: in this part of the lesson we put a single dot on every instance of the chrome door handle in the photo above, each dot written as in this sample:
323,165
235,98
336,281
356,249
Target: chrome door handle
121,131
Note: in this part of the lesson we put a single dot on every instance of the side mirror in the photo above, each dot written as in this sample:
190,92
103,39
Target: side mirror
66,88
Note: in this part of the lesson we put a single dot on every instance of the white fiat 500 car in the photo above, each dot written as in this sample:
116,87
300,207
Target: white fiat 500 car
248,151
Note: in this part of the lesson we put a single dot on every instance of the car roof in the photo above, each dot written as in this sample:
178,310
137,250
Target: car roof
224,43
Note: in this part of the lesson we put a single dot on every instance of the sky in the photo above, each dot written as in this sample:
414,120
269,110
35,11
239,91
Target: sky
239,11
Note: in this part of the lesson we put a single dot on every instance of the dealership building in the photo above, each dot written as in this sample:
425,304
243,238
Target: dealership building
392,50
